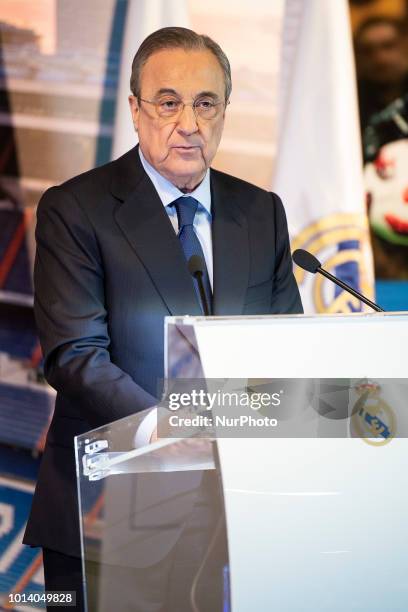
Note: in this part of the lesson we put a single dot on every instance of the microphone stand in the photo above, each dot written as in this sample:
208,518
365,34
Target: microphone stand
347,287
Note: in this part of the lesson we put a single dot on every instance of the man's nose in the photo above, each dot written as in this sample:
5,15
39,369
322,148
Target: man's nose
187,121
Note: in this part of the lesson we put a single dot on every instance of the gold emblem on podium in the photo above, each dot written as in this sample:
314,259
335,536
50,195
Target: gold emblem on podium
372,420
322,238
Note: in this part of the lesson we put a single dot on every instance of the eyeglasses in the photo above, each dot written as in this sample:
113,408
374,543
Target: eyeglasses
171,108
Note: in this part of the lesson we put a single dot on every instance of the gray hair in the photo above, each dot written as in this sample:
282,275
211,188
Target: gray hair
173,38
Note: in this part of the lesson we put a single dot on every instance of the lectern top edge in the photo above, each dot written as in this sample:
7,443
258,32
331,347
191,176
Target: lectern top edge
322,317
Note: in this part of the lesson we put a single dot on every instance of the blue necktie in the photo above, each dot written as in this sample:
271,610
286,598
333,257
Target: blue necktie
186,208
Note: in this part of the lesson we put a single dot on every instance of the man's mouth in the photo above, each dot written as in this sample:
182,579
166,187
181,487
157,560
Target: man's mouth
186,147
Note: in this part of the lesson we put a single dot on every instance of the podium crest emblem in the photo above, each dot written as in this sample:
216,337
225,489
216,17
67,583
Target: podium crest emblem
372,420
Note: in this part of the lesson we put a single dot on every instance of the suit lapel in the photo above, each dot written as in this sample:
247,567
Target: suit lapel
230,248
146,226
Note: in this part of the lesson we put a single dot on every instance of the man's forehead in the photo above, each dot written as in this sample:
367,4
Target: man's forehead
178,69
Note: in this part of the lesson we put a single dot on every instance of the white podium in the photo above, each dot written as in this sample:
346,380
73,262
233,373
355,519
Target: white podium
315,506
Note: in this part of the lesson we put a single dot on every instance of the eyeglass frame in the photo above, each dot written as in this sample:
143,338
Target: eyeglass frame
184,104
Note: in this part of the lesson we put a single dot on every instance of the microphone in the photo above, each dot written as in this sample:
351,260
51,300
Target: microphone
196,268
310,263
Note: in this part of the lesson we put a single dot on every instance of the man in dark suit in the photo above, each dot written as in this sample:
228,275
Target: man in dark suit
112,246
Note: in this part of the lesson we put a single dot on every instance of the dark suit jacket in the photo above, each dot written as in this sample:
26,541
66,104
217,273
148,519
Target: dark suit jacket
109,268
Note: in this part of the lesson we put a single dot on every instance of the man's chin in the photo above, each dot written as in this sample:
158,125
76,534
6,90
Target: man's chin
184,171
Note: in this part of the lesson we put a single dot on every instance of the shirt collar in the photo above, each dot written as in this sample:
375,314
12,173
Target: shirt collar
168,192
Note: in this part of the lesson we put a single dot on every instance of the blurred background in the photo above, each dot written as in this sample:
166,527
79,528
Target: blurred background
319,112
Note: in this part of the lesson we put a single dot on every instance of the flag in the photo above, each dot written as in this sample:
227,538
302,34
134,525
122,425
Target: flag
319,169
143,17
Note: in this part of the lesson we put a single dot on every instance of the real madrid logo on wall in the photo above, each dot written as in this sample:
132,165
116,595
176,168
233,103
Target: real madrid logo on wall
340,241
372,420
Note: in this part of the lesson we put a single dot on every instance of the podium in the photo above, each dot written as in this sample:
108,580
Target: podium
307,513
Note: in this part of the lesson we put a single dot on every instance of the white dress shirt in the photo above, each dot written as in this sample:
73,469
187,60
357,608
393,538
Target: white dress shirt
168,193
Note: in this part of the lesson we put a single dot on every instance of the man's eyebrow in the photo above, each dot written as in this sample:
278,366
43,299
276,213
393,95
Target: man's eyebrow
169,90
207,94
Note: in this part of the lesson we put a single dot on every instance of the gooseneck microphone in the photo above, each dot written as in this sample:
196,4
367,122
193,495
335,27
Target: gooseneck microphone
310,263
196,269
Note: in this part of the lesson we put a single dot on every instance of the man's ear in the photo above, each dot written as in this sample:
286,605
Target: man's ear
134,109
